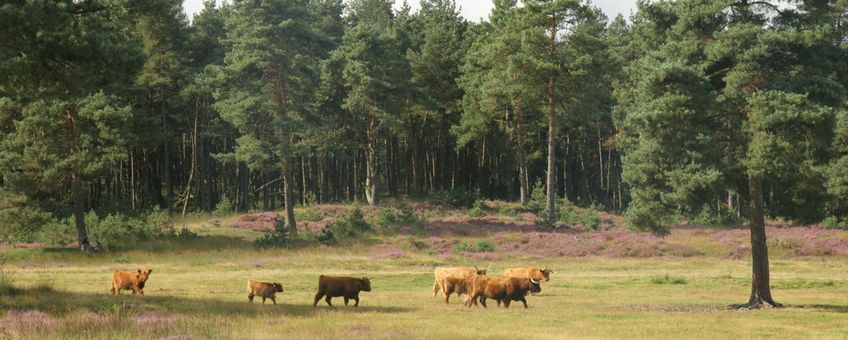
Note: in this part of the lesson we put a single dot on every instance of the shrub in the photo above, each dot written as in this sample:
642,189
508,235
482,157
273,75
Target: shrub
668,280
224,207
482,246
833,222
538,198
417,243
19,218
456,198
386,217
708,216
409,217
477,210
350,226
310,213
588,218
57,232
275,239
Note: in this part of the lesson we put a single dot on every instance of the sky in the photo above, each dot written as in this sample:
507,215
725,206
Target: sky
474,9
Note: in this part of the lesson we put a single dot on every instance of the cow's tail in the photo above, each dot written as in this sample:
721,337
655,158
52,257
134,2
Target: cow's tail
436,287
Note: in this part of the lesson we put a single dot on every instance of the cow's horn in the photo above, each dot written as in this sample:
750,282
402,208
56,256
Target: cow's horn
534,281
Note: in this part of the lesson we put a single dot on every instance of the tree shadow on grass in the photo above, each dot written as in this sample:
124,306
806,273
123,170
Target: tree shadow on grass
821,308
60,302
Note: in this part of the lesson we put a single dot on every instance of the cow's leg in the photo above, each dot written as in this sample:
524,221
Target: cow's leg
328,300
525,302
141,291
250,297
435,288
483,301
346,300
318,297
356,298
263,300
507,302
273,299
448,292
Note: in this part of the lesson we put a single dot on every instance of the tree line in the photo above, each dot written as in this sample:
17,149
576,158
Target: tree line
716,108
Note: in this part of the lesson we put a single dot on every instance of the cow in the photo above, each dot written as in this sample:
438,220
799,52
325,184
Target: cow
502,289
266,290
452,280
130,281
347,287
531,273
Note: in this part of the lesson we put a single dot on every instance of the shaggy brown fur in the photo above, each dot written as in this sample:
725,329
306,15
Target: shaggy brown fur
265,290
451,280
347,287
130,281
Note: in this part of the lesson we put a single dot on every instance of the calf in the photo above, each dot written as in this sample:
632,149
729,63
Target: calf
266,290
452,280
130,280
501,289
347,287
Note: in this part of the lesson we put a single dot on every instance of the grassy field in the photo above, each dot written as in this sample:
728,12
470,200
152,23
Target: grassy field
197,290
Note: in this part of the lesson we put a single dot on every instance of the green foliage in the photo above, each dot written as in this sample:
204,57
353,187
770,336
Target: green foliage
310,213
408,216
350,226
571,215
417,243
538,198
456,198
668,280
833,222
224,207
708,216
276,239
477,210
482,246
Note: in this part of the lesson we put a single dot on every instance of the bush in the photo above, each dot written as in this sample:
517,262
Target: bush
477,210
708,216
275,239
456,198
409,217
310,213
538,198
417,243
350,226
588,218
668,280
482,246
833,222
20,219
224,207
57,232
386,217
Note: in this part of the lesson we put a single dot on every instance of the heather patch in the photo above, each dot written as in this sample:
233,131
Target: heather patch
263,221
25,322
151,320
386,251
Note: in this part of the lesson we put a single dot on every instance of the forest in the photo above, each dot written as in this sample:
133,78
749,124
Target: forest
727,110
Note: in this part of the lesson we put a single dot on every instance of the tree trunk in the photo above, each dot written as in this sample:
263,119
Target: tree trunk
550,205
79,212
168,181
760,288
291,223
371,163
522,155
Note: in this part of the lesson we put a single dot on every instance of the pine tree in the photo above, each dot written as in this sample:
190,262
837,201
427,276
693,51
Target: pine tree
268,81
65,68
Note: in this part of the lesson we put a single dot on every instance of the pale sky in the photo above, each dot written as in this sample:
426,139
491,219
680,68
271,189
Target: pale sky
473,9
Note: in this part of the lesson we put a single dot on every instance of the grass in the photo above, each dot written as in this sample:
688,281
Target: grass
197,290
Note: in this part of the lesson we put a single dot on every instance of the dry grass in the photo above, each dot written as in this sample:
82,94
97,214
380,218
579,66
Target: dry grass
197,291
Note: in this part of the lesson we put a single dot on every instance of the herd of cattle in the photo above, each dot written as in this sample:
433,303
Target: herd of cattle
513,285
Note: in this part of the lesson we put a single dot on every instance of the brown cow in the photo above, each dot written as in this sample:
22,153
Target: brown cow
130,280
502,289
347,287
266,290
530,273
452,280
